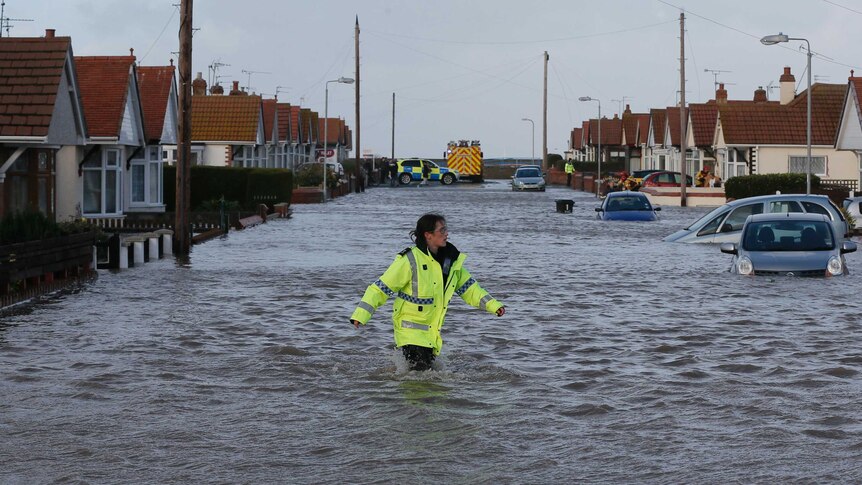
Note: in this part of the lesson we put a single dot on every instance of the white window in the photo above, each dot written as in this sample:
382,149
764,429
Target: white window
799,164
102,177
147,178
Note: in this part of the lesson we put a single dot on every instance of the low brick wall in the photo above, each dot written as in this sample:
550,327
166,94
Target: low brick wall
307,195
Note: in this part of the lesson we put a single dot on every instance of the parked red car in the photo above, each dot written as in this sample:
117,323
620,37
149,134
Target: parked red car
665,179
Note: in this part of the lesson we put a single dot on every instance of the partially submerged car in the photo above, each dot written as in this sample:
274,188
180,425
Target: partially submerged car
790,244
724,224
853,206
528,178
627,206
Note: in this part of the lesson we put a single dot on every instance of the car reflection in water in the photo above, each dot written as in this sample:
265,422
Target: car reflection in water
627,206
791,244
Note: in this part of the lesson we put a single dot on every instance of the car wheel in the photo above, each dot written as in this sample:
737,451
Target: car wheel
405,178
447,179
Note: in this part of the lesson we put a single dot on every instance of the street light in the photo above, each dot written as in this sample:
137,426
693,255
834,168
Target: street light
599,169
775,39
533,159
342,80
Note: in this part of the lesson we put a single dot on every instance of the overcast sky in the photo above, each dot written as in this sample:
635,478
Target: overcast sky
471,69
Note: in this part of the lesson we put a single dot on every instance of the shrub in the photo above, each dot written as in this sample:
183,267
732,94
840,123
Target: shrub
311,175
246,186
26,226
752,185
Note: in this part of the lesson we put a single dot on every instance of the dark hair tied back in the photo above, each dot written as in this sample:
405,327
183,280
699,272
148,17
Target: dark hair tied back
426,223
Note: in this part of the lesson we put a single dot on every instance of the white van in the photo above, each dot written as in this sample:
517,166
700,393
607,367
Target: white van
724,224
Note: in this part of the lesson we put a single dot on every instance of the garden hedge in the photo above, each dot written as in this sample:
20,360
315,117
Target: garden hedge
751,185
246,186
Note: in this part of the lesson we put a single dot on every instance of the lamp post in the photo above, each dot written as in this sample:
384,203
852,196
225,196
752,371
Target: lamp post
342,80
775,39
599,169
533,159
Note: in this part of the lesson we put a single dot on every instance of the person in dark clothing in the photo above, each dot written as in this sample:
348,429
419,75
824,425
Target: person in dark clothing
426,173
393,173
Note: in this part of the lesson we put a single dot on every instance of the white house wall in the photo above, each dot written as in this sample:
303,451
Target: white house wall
850,132
840,164
129,132
169,128
69,186
214,155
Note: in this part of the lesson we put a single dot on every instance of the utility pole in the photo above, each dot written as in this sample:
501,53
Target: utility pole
358,145
682,117
182,224
545,118
393,126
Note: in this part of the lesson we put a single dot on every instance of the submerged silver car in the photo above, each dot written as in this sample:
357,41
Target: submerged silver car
724,224
528,178
789,244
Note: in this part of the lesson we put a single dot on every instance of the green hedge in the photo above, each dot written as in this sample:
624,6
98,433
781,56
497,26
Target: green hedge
246,186
752,185
592,167
17,227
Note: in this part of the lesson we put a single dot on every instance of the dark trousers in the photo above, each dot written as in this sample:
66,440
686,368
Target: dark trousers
418,358
568,179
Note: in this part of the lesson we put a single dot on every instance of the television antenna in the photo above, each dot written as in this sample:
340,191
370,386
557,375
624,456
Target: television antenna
6,22
213,71
715,73
248,86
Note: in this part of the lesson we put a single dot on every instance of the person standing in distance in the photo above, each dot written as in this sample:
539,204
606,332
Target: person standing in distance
422,279
570,168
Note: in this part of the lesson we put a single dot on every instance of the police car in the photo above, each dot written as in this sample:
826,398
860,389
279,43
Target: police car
410,170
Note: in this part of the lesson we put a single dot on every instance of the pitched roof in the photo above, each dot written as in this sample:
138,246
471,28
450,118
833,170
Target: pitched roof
104,82
225,118
334,130
643,127
632,127
269,110
611,131
283,114
295,124
771,124
577,138
856,82
703,117
672,113
154,84
349,143
658,116
30,73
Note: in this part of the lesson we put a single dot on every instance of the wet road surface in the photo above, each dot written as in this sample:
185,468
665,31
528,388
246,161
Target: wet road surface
621,359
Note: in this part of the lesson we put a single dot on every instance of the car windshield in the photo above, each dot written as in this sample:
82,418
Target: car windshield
625,203
530,172
784,235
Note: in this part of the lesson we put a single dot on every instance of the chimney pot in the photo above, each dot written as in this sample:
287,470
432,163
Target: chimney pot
721,94
760,95
49,33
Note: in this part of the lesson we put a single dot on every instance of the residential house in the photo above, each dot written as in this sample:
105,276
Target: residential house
763,137
611,132
158,88
308,128
632,124
98,186
700,130
285,146
298,151
849,135
227,130
576,145
655,155
269,108
334,138
40,113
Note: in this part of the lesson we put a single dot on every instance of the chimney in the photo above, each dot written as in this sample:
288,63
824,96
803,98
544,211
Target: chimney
235,91
199,86
49,33
787,85
628,109
760,95
720,94
217,90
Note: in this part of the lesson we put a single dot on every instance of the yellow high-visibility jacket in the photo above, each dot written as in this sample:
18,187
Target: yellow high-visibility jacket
570,167
415,280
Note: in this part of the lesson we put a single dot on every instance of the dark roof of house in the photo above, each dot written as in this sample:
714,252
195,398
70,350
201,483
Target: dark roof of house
658,116
776,124
154,84
334,130
284,122
104,83
612,131
577,138
269,107
30,73
225,118
703,118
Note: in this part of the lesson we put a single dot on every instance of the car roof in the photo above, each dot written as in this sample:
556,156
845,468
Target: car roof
771,197
626,193
792,216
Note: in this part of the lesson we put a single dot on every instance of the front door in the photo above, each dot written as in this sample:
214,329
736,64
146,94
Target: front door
29,184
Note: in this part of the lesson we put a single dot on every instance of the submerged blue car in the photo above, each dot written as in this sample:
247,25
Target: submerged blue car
627,206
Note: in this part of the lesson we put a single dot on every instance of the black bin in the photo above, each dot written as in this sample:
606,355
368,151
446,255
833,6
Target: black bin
564,206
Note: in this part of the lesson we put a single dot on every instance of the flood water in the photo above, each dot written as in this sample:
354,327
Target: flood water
621,359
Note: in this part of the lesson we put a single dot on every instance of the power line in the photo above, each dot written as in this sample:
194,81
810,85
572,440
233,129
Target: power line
176,9
524,42
842,6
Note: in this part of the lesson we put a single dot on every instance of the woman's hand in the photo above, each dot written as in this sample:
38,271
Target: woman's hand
355,323
501,311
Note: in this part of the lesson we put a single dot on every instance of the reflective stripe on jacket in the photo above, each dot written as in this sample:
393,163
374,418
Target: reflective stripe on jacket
415,280
569,167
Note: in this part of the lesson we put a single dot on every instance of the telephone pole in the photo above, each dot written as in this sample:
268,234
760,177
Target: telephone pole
545,118
182,224
358,145
393,126
682,117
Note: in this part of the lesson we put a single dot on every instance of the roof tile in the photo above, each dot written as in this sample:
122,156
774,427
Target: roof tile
154,84
104,82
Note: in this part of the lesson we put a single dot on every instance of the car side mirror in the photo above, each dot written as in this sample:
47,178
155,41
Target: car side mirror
729,248
599,209
726,228
848,247
656,208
